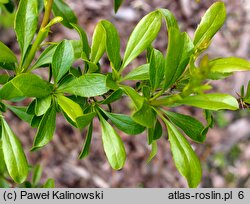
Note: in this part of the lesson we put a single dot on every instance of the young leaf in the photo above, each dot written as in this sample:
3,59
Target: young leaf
86,146
156,69
14,156
88,85
6,55
84,39
137,99
60,8
113,145
180,49
145,116
62,59
98,43
112,44
142,36
154,133
116,95
46,129
71,108
21,112
26,23
125,123
25,85
192,127
42,105
228,65
210,23
213,101
2,162
184,157
139,73
171,21
85,119
50,183
45,58
117,4
37,173
153,153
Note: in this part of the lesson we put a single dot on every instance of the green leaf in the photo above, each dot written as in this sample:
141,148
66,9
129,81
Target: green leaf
60,8
71,108
145,116
117,4
184,157
192,127
46,129
45,58
4,183
228,65
21,113
77,48
26,23
84,39
62,59
113,145
153,153
171,21
142,36
155,133
14,156
86,146
139,73
50,183
4,78
98,43
4,1
42,105
180,49
6,55
137,99
210,23
85,119
112,44
88,85
2,162
156,69
213,101
37,173
25,85
116,95
125,123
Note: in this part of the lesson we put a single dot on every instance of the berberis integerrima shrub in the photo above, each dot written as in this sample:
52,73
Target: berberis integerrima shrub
162,83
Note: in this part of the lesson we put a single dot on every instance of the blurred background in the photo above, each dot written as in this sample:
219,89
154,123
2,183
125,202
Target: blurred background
225,155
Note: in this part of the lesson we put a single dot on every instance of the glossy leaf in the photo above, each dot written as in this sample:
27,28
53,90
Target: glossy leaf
46,57
145,116
142,36
21,112
50,183
228,65
84,39
192,127
169,18
116,95
212,101
112,44
210,23
125,123
62,59
60,8
26,23
117,4
2,162
14,156
25,85
83,120
184,157
155,132
71,108
6,55
98,43
137,99
88,85
46,129
86,146
113,145
156,69
37,173
42,105
139,73
180,49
